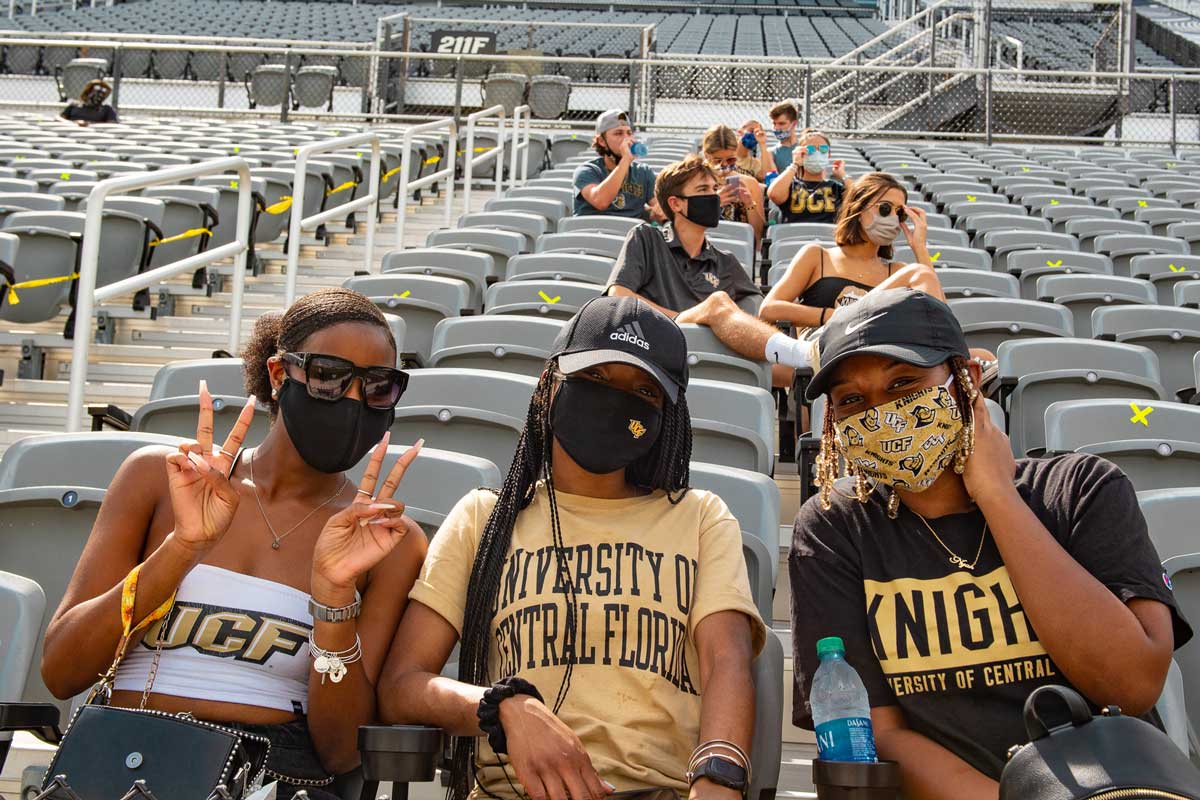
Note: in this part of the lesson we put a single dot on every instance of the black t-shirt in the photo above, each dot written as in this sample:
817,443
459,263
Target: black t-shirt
952,647
653,263
76,111
813,201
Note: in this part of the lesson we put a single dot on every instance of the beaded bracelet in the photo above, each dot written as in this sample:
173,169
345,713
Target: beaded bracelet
332,662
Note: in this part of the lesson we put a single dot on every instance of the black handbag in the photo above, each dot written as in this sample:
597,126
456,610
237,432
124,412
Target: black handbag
105,750
1106,757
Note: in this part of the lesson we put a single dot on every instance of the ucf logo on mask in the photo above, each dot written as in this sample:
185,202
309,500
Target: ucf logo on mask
637,429
933,426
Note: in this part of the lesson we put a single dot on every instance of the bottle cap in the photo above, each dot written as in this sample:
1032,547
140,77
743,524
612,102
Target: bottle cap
830,646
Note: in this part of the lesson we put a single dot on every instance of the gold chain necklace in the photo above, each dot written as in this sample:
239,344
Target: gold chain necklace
258,499
955,559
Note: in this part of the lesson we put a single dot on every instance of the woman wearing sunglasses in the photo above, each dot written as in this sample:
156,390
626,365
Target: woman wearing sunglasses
270,554
812,187
740,192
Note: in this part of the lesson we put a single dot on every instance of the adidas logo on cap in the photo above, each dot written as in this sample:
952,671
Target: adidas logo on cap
631,333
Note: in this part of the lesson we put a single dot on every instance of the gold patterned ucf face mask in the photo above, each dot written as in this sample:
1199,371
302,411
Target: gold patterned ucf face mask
907,443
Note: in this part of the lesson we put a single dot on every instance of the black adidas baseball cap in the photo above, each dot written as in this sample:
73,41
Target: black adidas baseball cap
903,324
625,330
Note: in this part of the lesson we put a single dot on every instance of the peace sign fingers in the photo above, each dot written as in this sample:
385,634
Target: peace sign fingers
366,486
223,460
392,482
204,424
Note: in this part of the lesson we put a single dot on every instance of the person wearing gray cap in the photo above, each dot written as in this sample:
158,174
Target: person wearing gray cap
962,579
614,183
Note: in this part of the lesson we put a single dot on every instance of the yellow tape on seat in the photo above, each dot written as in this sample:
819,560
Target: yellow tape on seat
190,234
13,299
285,202
342,188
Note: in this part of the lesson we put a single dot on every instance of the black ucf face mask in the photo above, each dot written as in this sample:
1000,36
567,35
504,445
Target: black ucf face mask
703,209
331,436
602,428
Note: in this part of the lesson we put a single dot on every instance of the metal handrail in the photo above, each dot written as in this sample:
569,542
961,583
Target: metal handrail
88,295
867,45
406,186
298,222
519,145
496,153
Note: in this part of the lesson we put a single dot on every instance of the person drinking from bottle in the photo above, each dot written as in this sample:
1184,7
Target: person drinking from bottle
959,578
614,182
753,155
605,616
288,579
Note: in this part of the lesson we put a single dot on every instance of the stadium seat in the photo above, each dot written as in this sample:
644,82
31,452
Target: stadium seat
1156,444
595,244
598,223
549,95
811,231
422,301
1060,214
1172,333
1165,272
30,201
1189,232
188,220
558,266
975,283
1037,372
988,321
505,343
1187,294
481,412
1085,293
474,268
505,89
312,87
22,608
947,256
500,245
227,202
710,359
1086,229
531,226
1029,265
554,299
1159,219
43,253
550,209
563,195
732,425
1123,247
267,85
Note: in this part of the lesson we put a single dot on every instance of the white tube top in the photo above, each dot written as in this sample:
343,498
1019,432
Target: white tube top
233,638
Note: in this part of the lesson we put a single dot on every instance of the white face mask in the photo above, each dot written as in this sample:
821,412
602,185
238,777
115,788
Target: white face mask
883,231
816,161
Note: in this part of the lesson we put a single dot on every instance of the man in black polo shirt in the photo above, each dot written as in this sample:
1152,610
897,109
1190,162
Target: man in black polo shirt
678,271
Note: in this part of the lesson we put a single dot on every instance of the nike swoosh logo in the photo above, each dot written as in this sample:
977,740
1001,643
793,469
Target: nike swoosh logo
853,326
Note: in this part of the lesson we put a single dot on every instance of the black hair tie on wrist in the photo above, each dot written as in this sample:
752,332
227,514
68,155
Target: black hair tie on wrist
489,709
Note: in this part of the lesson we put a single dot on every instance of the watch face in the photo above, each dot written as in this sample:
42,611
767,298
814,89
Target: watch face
724,773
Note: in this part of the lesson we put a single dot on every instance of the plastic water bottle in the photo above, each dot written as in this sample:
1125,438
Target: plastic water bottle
639,149
840,707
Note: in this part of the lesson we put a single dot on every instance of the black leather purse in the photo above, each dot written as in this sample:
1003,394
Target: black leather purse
1106,757
105,750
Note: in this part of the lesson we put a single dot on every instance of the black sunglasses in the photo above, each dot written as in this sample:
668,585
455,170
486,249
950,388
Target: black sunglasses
330,377
886,208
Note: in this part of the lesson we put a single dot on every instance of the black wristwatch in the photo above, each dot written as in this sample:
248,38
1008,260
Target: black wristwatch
720,771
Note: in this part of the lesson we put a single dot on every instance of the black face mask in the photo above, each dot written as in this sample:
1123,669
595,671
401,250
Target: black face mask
703,209
603,429
331,437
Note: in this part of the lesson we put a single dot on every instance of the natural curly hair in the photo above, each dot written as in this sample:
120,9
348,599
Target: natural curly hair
277,332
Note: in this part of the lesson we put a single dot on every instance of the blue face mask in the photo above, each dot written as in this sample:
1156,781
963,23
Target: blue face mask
783,135
750,142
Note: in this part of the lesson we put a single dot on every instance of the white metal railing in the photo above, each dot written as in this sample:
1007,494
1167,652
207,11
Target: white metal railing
88,295
407,187
473,159
299,222
1018,49
520,145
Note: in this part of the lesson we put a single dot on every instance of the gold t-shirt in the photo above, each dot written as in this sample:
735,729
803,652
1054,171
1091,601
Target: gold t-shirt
646,572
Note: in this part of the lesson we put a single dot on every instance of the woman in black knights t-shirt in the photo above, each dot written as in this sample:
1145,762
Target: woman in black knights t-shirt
959,578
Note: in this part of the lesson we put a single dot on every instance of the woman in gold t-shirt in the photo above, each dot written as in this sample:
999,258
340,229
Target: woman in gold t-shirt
604,602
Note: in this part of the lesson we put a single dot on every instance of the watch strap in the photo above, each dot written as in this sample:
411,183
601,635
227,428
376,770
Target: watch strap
323,613
724,774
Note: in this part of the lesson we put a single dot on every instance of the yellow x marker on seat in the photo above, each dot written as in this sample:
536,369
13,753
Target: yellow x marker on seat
1170,164
1177,269
1025,169
1140,414
233,184
65,176
936,256
971,198
1143,204
407,292
1053,202
1054,263
548,298
904,165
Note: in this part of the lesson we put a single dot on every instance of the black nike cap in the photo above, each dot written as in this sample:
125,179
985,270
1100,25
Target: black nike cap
903,324
625,330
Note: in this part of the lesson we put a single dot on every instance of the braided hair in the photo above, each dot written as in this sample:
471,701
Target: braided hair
665,466
828,466
275,333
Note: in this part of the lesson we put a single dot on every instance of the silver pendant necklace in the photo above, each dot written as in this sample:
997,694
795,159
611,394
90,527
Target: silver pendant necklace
278,538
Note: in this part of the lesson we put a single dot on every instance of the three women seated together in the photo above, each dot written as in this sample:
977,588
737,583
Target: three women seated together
601,605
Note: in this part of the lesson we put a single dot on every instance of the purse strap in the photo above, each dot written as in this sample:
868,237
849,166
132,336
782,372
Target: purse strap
1081,714
128,629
